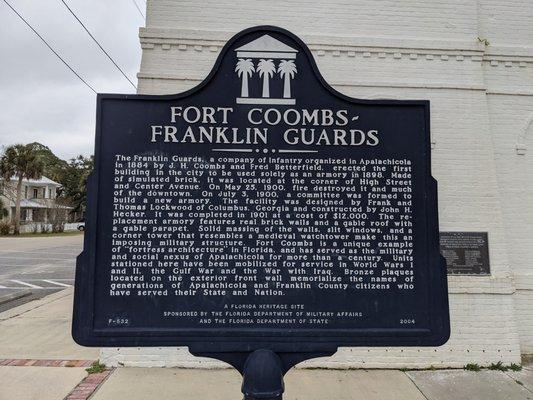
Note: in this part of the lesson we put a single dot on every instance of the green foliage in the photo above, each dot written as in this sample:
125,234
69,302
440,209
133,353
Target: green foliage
74,181
96,368
19,162
498,366
472,367
72,174
53,166
22,160
515,367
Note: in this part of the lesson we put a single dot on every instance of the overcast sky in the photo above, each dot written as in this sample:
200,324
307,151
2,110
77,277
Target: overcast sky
40,99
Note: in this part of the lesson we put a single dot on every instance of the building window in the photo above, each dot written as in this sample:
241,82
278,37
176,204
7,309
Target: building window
35,193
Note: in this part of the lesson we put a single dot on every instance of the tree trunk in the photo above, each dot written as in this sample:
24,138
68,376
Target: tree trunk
266,91
287,87
244,88
16,229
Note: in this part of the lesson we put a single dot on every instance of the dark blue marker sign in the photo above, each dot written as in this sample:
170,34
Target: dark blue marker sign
261,210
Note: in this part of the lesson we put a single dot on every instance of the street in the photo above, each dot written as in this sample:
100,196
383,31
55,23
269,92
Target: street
33,267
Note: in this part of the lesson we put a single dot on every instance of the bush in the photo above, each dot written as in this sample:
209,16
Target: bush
5,228
58,227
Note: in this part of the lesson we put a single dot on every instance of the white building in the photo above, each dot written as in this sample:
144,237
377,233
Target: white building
38,199
473,59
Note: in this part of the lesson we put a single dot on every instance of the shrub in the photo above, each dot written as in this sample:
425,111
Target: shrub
5,228
58,228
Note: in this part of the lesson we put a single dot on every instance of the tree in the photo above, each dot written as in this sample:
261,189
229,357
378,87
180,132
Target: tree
287,69
58,215
244,69
266,69
74,181
54,167
3,210
20,162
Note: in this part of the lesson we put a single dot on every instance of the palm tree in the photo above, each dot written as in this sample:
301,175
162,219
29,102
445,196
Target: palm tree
266,69
287,69
244,69
21,162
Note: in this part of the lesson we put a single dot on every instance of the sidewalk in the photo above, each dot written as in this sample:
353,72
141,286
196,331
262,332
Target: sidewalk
40,361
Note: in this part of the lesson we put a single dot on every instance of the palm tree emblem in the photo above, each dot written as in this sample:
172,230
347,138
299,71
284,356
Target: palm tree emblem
287,69
244,69
266,69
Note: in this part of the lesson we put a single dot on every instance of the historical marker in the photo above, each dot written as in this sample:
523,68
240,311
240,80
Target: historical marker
466,253
261,216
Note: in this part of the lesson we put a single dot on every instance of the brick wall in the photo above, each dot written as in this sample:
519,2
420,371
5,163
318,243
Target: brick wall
482,136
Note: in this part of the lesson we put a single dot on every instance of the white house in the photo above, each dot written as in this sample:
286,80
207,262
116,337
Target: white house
38,199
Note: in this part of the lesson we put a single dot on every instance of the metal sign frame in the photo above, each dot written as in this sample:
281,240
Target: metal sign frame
213,342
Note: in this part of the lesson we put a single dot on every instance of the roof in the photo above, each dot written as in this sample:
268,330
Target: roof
41,203
26,203
44,181
266,43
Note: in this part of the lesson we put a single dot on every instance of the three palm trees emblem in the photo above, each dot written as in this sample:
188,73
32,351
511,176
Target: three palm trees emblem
266,69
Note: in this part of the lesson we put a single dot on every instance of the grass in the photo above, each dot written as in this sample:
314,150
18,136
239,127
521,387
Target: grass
472,367
95,368
498,367
33,235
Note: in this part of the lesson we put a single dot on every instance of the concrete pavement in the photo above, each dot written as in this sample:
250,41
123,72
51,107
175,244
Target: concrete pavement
163,384
38,383
38,333
482,385
41,330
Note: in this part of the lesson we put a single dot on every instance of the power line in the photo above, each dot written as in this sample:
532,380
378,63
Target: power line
50,47
99,45
138,8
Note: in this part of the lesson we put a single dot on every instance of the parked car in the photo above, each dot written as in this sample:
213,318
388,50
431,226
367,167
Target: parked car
81,225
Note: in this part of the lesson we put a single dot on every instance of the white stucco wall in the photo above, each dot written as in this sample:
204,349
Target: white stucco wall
481,112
